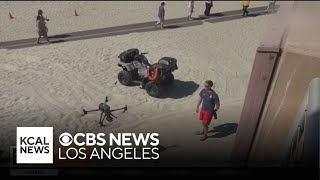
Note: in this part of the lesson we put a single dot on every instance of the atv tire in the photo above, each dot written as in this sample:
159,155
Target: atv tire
125,78
153,89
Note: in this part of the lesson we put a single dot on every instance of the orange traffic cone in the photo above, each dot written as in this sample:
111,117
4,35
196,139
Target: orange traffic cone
75,13
10,16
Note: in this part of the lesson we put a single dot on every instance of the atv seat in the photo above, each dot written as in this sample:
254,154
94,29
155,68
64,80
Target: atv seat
128,55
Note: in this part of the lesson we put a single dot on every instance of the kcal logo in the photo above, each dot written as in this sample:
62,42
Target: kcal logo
34,145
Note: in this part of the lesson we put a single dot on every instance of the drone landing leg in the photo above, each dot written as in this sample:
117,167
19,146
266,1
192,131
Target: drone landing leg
101,120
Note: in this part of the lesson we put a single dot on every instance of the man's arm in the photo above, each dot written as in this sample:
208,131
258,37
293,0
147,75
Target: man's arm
198,103
217,106
37,25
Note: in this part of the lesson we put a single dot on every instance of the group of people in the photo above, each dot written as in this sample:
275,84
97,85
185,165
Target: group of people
43,30
208,6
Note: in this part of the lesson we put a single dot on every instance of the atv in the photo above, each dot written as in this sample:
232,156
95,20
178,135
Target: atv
136,69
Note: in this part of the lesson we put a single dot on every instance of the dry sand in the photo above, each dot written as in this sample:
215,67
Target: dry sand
50,85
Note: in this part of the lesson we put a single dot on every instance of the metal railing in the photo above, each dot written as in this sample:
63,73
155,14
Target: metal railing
305,131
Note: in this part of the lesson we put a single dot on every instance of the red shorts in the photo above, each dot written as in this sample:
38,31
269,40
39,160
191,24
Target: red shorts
205,117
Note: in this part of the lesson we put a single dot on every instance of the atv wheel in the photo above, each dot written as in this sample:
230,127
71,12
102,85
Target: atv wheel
125,78
153,89
169,80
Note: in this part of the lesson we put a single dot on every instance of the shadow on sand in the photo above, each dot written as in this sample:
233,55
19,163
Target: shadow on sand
171,27
255,14
223,130
60,36
58,41
217,15
179,89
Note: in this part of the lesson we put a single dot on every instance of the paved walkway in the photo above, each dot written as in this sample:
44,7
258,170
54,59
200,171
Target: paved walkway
140,27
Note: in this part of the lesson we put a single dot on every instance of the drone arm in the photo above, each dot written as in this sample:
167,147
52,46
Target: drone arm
112,115
124,108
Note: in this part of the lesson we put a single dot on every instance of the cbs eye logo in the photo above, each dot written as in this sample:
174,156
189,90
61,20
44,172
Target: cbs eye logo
65,139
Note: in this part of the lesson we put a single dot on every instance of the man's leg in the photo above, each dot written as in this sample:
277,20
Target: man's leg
45,35
38,40
273,6
209,9
206,12
201,116
190,15
162,23
244,11
47,38
157,23
207,117
205,131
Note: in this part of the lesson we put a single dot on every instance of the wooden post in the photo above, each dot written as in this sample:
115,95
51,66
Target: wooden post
263,69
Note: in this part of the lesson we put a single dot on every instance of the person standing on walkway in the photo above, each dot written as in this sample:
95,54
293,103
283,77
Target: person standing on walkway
209,5
41,26
210,106
271,6
191,8
161,14
245,6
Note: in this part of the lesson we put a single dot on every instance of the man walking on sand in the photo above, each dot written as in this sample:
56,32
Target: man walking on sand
245,6
191,9
161,14
209,5
210,106
271,6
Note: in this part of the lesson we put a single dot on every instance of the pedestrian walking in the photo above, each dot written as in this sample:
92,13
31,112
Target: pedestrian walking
209,5
41,26
191,9
245,6
271,6
161,14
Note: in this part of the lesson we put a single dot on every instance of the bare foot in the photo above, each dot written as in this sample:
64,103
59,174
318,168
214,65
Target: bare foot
203,138
199,133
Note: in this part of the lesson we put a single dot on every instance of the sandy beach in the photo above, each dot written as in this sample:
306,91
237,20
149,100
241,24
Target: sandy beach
93,15
50,85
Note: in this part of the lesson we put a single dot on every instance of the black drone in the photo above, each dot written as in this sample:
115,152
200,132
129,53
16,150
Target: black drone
106,111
